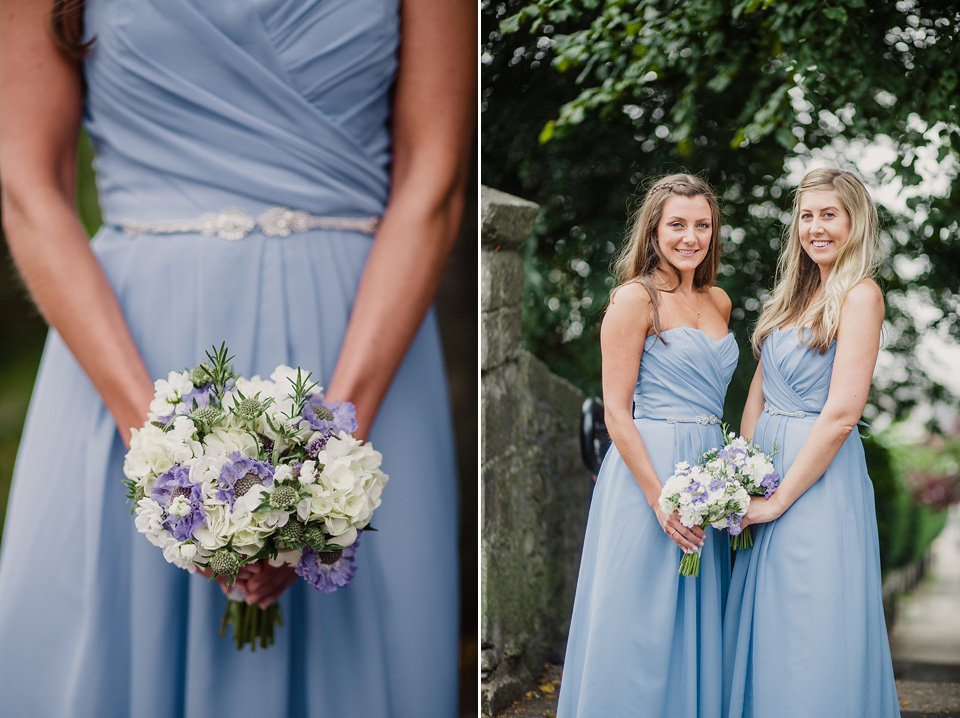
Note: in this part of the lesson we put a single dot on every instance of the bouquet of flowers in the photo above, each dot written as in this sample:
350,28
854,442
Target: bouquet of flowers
701,498
742,461
228,471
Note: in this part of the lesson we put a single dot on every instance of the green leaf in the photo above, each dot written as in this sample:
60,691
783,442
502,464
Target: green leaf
547,132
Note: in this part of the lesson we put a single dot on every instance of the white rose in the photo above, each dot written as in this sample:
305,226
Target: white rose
308,472
150,519
179,507
182,555
282,473
205,470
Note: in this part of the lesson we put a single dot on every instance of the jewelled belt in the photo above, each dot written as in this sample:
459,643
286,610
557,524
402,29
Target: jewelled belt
236,224
771,409
703,419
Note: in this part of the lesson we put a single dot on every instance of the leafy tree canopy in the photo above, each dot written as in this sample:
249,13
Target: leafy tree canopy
585,101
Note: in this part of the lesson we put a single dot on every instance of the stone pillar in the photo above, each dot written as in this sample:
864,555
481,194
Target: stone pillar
534,489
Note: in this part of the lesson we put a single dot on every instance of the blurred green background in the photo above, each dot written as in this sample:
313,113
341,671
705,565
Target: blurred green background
585,102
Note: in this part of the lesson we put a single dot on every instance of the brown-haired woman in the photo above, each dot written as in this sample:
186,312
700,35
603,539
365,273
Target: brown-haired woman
643,639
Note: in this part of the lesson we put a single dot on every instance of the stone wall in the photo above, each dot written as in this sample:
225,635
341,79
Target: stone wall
534,488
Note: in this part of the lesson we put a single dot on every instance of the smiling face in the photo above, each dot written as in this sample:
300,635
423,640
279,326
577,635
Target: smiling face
684,231
824,225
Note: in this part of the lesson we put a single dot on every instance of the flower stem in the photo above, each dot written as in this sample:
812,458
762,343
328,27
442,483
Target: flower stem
690,564
251,624
743,540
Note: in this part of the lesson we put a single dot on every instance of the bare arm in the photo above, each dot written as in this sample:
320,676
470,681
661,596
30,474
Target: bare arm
38,135
622,336
434,117
754,405
858,344
433,120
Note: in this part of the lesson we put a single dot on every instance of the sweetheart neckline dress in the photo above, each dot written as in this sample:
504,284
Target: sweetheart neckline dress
804,631
643,640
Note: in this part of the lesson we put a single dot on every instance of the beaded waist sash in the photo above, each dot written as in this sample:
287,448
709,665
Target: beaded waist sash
236,224
702,419
771,409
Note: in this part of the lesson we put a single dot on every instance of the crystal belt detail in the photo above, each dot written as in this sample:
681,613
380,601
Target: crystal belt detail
235,224
771,409
703,419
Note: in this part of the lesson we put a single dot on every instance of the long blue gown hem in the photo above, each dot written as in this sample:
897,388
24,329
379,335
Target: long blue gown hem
645,641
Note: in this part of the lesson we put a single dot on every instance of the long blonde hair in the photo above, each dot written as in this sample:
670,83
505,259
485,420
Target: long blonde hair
641,256
798,277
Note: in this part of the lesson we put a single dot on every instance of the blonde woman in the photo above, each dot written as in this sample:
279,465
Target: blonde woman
804,632
644,640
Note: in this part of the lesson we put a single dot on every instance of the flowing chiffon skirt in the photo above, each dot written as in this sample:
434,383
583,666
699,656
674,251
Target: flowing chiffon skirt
804,632
645,641
95,622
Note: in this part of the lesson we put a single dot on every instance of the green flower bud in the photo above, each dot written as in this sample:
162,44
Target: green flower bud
292,533
313,536
283,498
201,374
206,415
249,409
138,493
225,563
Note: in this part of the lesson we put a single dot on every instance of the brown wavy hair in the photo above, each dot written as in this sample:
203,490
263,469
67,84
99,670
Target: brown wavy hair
640,257
66,21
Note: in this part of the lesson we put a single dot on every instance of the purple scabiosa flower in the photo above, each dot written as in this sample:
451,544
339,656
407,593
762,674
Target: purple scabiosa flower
733,524
181,500
716,485
327,577
200,394
732,455
239,474
329,417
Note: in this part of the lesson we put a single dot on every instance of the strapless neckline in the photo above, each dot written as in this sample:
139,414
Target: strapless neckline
695,331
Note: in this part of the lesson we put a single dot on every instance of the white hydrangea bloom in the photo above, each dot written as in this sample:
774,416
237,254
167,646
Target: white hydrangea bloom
223,441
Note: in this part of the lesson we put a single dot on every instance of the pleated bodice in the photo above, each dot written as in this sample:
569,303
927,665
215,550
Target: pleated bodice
685,375
296,116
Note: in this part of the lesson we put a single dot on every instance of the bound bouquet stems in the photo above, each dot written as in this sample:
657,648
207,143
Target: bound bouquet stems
229,471
251,624
700,499
690,563
742,540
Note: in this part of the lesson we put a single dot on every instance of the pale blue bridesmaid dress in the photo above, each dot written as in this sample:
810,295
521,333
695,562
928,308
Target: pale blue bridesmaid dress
196,106
644,641
804,632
